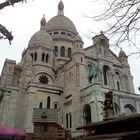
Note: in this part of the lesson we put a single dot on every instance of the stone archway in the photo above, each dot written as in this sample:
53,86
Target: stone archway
129,110
87,113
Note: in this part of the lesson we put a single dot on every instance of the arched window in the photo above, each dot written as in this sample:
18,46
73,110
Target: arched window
35,58
48,102
87,113
40,105
67,121
32,55
118,85
69,52
62,53
70,120
43,56
55,106
129,110
117,79
47,57
56,50
106,74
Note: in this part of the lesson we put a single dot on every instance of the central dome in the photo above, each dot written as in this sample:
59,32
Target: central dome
60,22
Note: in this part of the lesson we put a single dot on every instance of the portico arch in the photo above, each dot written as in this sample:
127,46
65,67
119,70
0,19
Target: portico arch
87,113
129,109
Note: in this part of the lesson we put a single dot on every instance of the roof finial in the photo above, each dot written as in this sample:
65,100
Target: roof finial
60,8
122,53
101,32
43,21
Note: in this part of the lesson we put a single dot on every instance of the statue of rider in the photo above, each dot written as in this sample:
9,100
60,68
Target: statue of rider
92,73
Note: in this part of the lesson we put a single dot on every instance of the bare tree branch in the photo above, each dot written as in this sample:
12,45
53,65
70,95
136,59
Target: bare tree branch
10,2
3,30
125,18
6,33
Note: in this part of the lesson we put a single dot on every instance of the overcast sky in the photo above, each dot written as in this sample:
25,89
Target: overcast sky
24,20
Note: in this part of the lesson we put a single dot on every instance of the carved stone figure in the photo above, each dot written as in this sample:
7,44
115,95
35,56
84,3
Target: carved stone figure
108,111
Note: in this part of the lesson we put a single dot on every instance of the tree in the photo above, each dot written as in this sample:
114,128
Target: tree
125,18
3,30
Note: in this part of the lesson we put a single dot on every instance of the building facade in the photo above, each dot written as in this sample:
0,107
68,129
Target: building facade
56,71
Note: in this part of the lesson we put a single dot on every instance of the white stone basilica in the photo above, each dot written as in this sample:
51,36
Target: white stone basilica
54,72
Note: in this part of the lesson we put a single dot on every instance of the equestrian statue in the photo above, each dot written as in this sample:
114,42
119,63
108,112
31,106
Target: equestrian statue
92,73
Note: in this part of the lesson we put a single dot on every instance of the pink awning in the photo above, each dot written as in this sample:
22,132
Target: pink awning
8,131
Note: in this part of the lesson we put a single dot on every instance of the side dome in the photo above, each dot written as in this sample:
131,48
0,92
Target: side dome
40,38
60,22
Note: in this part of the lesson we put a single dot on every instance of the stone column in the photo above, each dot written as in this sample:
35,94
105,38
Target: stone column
138,106
122,111
96,99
